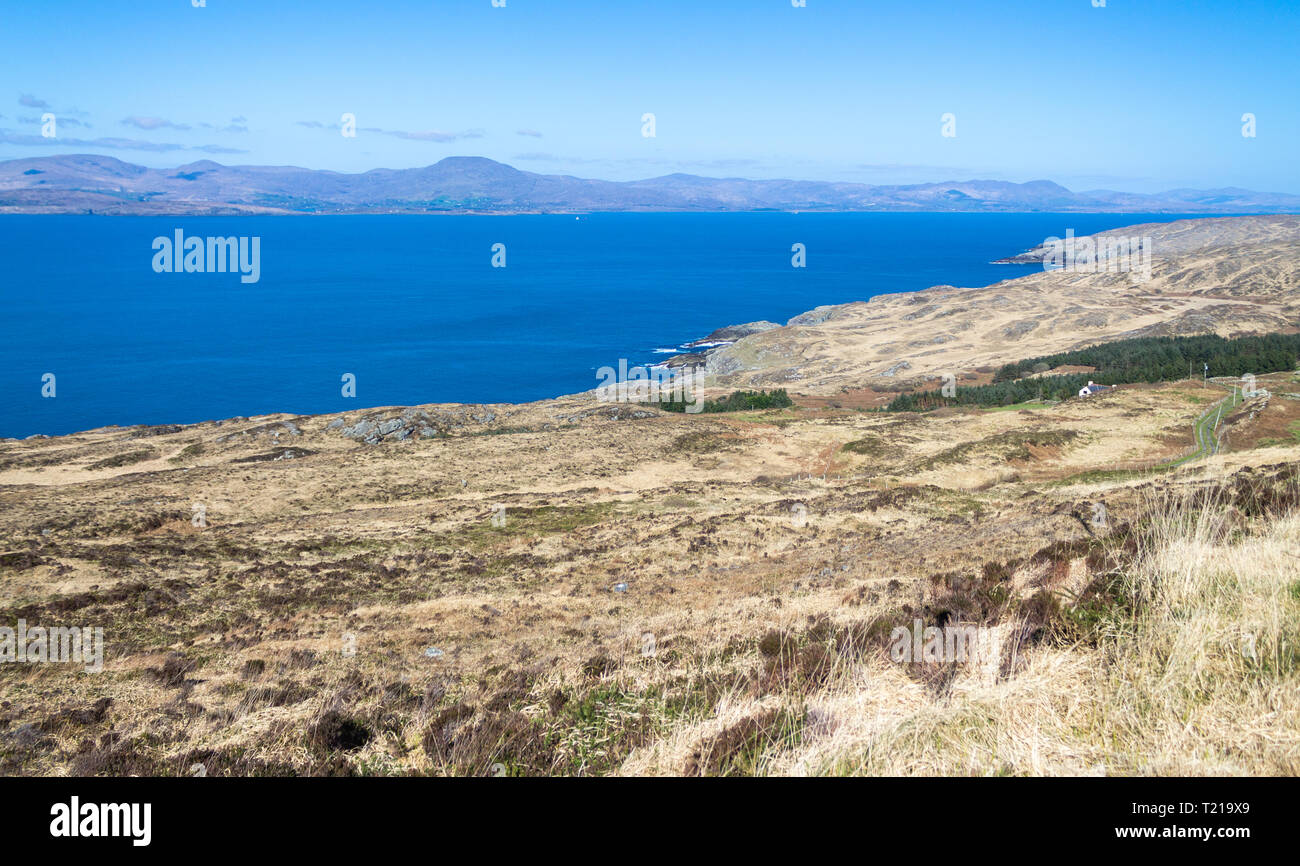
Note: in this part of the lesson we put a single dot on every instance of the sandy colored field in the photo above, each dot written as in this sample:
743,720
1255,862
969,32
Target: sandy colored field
623,603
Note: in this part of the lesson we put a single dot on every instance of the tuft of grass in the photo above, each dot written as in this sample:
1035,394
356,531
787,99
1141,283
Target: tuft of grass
871,446
190,452
699,442
529,522
1008,445
127,458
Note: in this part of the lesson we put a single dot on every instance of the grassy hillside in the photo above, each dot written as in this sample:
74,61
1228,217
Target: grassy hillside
584,588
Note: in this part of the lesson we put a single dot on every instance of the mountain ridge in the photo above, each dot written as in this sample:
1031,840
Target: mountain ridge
81,183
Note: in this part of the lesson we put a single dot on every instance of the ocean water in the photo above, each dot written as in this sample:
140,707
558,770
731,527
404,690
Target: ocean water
412,306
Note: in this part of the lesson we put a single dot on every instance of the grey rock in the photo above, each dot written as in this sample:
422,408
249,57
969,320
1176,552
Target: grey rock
897,368
815,316
732,333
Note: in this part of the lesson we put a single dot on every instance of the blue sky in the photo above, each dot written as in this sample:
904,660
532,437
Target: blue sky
1139,96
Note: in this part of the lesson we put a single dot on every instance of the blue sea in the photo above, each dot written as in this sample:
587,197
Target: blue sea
412,306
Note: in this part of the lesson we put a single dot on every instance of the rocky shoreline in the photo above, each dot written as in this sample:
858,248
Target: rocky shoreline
718,339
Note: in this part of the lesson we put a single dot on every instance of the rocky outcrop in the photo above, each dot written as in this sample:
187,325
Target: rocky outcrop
414,423
274,430
732,333
815,316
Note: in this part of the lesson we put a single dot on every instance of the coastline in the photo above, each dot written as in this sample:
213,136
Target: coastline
901,340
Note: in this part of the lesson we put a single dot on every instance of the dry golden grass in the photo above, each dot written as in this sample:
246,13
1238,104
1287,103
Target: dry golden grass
1200,677
289,635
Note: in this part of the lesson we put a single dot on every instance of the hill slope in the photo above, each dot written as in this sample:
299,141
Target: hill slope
1226,276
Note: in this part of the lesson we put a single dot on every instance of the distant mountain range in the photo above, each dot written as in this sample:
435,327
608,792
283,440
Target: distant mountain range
466,184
